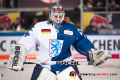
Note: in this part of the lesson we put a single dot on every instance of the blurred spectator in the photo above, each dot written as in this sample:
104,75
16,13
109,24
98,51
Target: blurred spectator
68,20
23,23
109,6
78,24
11,3
99,3
114,6
91,1
88,7
91,29
35,20
99,6
16,25
94,5
1,27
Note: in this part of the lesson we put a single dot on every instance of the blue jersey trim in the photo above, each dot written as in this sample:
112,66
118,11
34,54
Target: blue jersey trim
13,34
100,34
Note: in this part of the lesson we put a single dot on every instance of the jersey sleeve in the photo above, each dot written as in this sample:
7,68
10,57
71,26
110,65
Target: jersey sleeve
29,40
82,43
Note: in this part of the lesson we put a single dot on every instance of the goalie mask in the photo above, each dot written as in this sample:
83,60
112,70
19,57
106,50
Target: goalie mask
57,15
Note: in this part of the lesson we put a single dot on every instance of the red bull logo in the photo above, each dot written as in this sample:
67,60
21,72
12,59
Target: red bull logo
101,21
5,21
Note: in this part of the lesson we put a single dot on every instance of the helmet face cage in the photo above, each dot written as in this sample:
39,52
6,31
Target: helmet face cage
57,10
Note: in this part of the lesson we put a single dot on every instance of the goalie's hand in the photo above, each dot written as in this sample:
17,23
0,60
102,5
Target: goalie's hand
97,57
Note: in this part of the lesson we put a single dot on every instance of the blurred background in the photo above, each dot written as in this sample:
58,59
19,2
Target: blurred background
99,20
104,14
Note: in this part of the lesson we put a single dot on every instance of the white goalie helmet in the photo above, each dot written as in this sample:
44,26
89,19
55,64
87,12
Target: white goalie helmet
57,14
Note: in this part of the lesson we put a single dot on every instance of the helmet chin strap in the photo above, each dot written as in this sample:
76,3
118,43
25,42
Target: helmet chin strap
57,26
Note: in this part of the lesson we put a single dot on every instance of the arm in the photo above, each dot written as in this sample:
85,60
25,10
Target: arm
87,30
86,48
18,54
29,39
82,44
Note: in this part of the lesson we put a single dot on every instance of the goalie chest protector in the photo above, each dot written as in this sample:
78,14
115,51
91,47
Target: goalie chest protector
54,43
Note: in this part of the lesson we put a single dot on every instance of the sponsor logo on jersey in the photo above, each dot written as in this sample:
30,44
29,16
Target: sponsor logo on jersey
72,74
68,32
44,31
55,47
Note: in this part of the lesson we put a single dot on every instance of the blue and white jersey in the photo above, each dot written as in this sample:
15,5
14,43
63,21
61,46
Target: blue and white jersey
55,44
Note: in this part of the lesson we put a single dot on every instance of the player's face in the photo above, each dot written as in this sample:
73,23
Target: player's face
57,18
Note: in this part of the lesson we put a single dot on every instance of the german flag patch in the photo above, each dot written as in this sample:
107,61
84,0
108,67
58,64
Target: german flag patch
45,31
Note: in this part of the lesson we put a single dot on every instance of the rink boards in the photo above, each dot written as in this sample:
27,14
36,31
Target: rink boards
104,42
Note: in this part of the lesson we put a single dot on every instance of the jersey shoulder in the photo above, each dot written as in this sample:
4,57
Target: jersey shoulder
41,23
72,27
